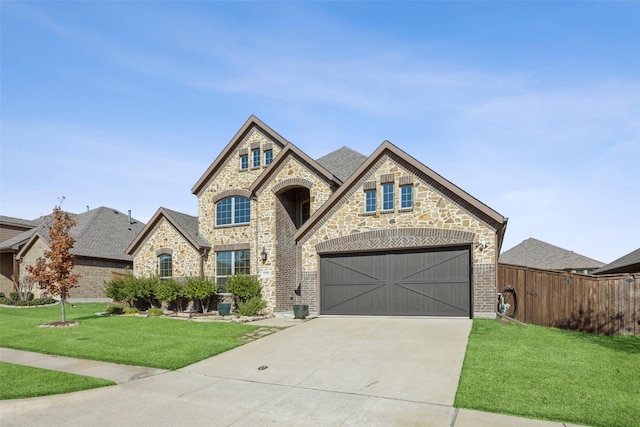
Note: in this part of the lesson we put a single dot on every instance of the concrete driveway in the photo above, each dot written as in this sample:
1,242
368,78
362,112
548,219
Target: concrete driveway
328,371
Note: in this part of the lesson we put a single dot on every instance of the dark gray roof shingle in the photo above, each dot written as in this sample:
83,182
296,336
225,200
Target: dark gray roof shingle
537,254
342,162
189,224
629,263
19,221
99,233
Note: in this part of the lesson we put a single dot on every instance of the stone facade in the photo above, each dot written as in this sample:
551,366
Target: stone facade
185,259
436,219
294,188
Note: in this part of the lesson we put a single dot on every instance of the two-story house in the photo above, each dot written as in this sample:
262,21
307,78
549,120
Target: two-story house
346,234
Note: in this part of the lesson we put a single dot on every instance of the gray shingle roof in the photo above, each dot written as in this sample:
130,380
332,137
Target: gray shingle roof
16,241
342,162
629,263
19,221
189,224
99,233
537,254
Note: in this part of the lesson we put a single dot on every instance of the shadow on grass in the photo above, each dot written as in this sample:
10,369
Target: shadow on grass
629,344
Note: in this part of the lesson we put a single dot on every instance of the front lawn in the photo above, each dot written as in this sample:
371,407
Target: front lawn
143,341
19,382
551,374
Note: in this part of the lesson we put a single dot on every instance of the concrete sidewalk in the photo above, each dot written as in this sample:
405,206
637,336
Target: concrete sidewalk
326,372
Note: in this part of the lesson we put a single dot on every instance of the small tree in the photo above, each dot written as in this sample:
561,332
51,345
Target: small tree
53,272
201,290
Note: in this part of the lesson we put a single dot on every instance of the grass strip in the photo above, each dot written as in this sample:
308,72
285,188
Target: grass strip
143,341
551,374
19,382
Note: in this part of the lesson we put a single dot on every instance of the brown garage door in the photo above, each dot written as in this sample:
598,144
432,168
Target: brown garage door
408,283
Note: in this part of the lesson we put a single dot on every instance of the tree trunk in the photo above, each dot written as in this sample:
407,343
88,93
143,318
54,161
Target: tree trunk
63,300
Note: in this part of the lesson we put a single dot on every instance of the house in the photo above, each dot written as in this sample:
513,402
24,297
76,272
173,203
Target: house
629,263
346,234
9,228
538,254
101,237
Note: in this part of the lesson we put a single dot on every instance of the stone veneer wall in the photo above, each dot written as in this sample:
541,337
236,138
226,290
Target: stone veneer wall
230,177
6,271
270,234
433,208
185,259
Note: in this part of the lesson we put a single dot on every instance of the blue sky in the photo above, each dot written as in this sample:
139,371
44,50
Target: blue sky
531,107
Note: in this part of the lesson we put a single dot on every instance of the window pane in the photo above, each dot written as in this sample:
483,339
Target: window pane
370,201
165,268
244,162
406,196
242,210
387,197
224,268
223,211
241,262
256,158
268,157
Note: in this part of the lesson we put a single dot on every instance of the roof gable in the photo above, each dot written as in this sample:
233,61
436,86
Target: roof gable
185,225
386,148
252,122
291,151
538,254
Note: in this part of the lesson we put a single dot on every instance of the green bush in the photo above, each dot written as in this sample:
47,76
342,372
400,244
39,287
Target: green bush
14,296
251,307
201,290
114,309
5,301
243,287
131,311
27,303
169,291
153,311
1,294
131,289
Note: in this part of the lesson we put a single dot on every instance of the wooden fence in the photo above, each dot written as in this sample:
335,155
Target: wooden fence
608,305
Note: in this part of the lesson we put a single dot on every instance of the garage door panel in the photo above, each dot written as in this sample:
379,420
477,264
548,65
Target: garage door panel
434,299
427,283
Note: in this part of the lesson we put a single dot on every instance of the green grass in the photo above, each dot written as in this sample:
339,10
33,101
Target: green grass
144,341
551,374
19,382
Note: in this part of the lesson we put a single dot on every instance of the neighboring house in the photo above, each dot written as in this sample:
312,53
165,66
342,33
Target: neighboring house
538,254
9,228
630,263
346,234
101,237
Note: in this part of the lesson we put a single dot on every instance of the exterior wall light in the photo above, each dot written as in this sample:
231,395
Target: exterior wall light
263,255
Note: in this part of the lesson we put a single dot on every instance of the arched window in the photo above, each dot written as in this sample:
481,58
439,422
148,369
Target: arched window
165,266
233,210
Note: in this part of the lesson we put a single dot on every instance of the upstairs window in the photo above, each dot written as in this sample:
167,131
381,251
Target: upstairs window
233,210
256,158
244,162
387,197
406,197
268,157
165,267
370,201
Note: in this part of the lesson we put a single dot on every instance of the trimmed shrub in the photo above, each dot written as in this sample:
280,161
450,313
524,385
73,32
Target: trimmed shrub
131,289
114,309
170,291
5,301
1,294
251,307
201,290
14,296
243,287
132,311
153,311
